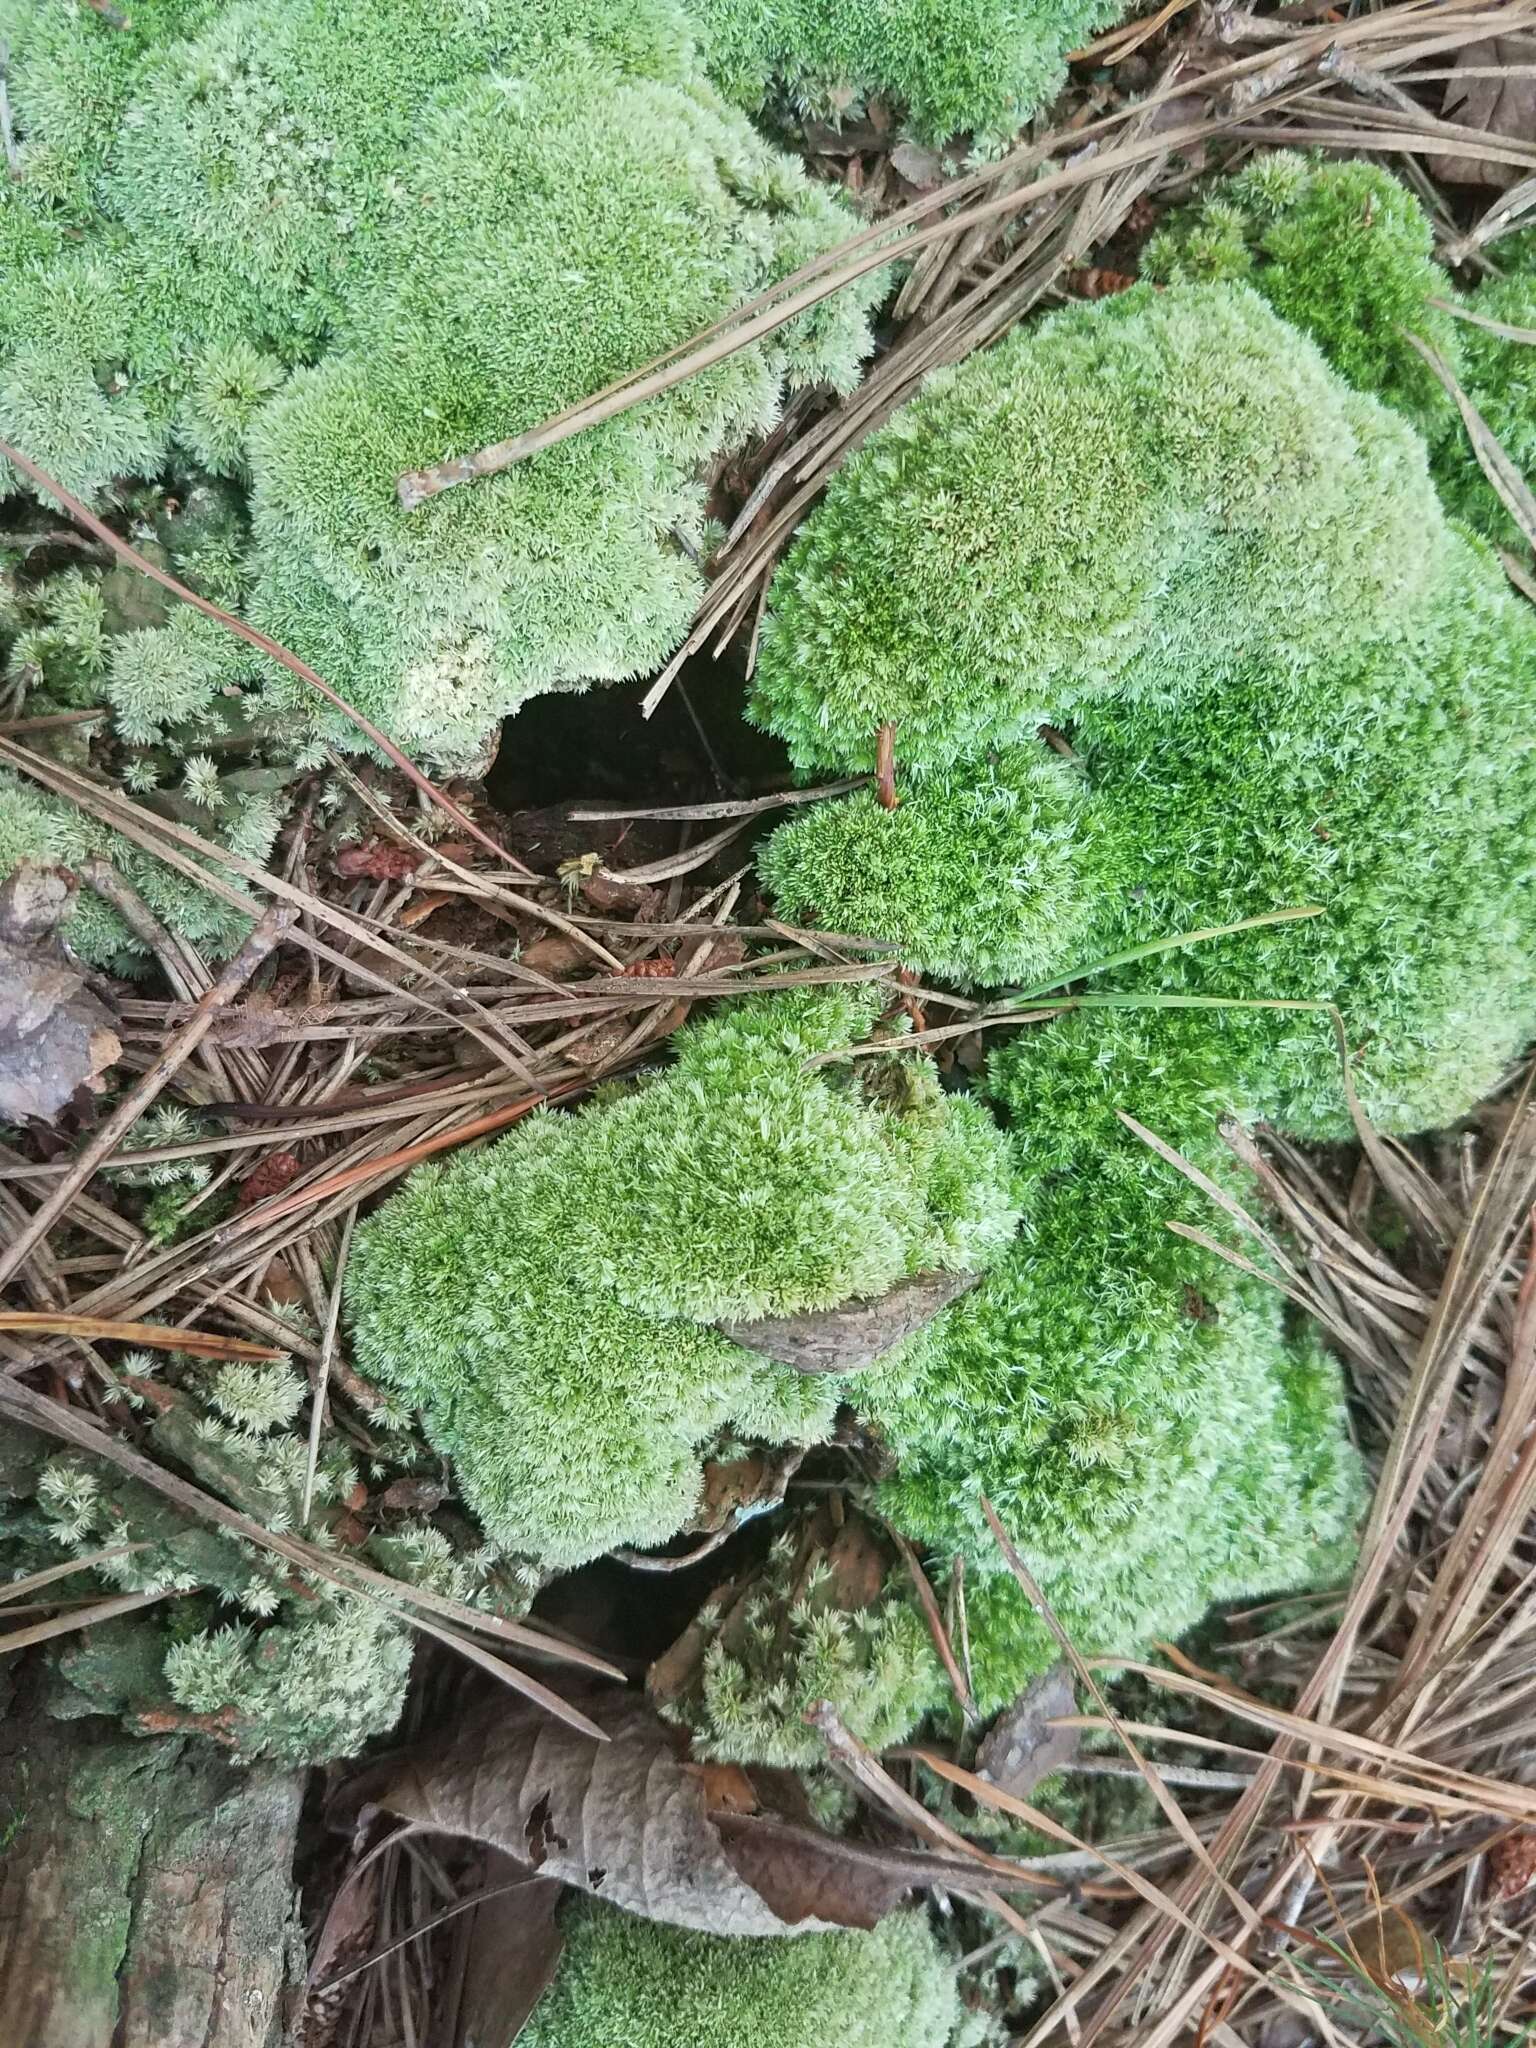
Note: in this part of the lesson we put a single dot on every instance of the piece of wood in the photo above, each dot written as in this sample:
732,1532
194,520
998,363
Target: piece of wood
837,1340
146,1888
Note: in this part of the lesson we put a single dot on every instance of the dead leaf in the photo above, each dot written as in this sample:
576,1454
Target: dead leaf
629,1821
55,1035
262,1019
921,167
1022,1748
513,1946
1502,105
376,860
554,955
840,1340
737,1488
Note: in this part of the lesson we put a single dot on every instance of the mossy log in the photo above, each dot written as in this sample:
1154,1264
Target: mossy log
146,1889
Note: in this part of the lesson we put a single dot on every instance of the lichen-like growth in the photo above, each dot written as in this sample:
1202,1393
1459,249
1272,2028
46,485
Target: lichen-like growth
823,1619
313,247
1344,251
982,66
268,1662
549,1301
1148,1432
1140,498
638,1983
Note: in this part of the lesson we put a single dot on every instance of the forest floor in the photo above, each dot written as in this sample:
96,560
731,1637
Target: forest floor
1364,1768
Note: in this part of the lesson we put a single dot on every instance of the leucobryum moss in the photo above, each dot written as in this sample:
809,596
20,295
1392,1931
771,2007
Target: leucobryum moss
979,66
1345,252
312,246
549,1301
624,1982
1151,1434
1134,497
1342,250
1243,757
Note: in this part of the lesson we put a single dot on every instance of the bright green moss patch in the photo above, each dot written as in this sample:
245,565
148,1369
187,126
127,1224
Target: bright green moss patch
978,874
629,1983
982,66
1136,497
1344,251
1148,1432
548,1300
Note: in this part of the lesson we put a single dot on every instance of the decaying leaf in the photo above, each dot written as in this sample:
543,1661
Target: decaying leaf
839,1340
1491,88
55,1035
512,1945
1022,1747
635,1822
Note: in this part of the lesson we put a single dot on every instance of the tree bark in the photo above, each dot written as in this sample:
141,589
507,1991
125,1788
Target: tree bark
146,1888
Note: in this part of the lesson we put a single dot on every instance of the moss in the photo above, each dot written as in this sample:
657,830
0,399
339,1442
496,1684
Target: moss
1149,1433
1139,498
37,826
272,1665
1499,377
316,245
983,66
977,874
634,1982
1342,250
1220,778
548,1300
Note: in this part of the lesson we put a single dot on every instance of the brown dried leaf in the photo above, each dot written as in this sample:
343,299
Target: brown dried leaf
1501,105
513,1947
1022,1747
839,1340
629,1821
55,1035
922,168
262,1019
376,860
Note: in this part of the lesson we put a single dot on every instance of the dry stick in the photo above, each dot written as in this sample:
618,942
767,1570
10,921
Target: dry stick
1514,492
133,1105
729,807
85,1617
253,637
149,1336
323,1376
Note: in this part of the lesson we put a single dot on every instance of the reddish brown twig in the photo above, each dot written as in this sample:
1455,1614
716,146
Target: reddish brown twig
885,767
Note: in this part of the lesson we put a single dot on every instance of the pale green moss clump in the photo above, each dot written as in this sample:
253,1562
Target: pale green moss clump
979,66
629,1983
549,1300
1151,1435
313,247
1345,252
1265,712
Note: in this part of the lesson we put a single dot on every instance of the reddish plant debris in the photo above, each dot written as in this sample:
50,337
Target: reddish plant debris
268,1179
